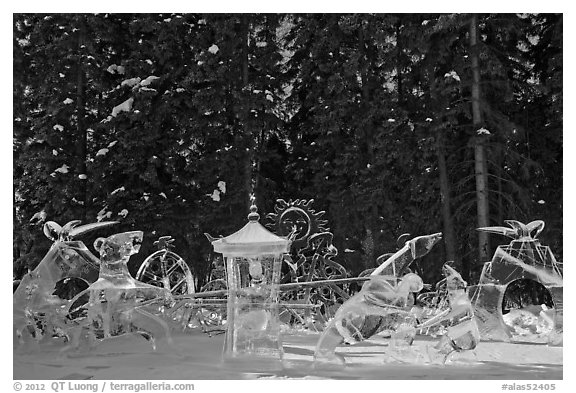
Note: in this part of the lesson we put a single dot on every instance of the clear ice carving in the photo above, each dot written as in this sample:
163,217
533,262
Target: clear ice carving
310,259
164,268
253,257
40,300
462,332
380,297
398,263
117,304
524,263
383,303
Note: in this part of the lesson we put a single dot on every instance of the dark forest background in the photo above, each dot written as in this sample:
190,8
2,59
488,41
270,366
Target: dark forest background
392,123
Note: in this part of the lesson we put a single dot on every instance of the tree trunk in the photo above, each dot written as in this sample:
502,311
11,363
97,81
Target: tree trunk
81,147
480,163
447,221
370,222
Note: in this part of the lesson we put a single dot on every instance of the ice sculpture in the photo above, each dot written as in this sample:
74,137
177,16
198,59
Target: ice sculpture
253,258
382,303
310,259
117,304
296,219
515,268
39,301
380,296
166,269
462,332
396,265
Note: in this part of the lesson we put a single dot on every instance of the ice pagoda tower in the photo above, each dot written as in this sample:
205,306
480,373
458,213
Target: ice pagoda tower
253,257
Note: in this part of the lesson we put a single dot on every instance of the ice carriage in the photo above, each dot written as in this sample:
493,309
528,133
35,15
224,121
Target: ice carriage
312,286
522,277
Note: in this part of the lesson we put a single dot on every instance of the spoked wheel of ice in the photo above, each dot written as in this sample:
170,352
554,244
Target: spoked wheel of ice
166,269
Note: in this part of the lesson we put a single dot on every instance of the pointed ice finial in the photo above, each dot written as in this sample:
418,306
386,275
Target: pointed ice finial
164,243
253,216
517,229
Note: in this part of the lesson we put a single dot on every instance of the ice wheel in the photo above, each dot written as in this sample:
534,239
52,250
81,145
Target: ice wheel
167,269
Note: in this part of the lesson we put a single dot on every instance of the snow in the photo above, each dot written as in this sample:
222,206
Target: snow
40,216
222,186
452,74
118,190
126,106
195,356
215,195
483,131
213,49
63,169
123,213
149,80
58,127
102,214
102,152
131,82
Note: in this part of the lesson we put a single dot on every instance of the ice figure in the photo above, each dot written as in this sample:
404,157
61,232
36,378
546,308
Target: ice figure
462,332
520,275
253,257
166,269
381,304
41,298
117,304
380,296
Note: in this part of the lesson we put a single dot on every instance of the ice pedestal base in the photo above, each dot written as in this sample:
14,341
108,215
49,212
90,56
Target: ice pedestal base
253,326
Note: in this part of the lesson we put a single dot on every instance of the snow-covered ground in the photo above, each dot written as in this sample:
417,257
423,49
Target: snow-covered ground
196,356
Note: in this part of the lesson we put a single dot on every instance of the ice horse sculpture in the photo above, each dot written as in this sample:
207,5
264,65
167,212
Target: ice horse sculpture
522,263
117,304
382,303
39,302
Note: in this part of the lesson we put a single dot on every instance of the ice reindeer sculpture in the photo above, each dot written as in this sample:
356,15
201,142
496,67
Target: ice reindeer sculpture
524,263
40,300
116,303
382,303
